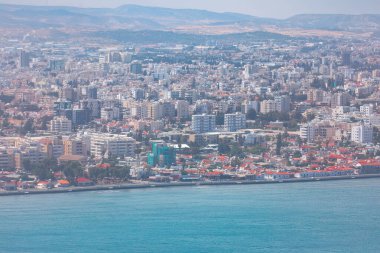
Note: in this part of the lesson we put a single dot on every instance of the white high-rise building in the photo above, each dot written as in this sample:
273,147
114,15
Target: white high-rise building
267,106
109,114
362,133
250,105
139,110
307,131
248,71
112,145
61,124
203,123
282,104
234,121
367,109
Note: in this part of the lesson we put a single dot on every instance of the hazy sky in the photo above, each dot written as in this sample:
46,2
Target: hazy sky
263,8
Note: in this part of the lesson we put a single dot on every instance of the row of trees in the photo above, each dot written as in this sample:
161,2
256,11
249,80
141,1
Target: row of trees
111,172
45,169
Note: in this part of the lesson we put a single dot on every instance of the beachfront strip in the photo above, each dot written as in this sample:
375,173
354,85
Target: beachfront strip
212,168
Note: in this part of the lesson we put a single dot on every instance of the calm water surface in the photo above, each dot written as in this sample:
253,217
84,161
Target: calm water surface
336,216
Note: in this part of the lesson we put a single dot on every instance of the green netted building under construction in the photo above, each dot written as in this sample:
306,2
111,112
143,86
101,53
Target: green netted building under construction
161,155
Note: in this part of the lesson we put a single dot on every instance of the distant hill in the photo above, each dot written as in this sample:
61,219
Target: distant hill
135,17
126,16
367,22
152,37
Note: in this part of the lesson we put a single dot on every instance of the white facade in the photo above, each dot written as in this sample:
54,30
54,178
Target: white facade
282,104
112,145
362,133
203,123
373,120
250,105
307,131
367,109
267,106
61,124
249,70
234,122
109,114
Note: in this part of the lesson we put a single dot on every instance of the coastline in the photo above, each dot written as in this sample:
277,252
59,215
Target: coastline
180,184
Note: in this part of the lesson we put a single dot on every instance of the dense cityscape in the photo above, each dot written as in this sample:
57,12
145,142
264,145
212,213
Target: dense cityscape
83,111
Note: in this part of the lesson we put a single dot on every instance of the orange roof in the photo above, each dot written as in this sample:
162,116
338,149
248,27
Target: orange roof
63,182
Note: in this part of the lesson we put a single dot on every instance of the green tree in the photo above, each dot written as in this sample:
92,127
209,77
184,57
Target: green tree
223,148
279,144
5,123
44,122
120,172
235,162
376,135
72,170
310,117
43,170
236,150
297,154
42,173
6,99
27,165
27,127
251,114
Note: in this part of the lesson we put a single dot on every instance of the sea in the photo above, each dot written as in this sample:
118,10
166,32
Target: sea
329,216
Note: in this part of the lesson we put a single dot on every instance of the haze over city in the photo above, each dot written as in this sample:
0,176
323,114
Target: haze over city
261,8
211,126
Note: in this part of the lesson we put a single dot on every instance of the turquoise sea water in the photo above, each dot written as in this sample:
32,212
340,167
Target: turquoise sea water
336,216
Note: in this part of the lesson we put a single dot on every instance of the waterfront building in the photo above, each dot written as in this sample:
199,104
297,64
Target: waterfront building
161,155
107,145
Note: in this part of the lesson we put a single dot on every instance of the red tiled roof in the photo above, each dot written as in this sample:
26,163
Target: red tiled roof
83,180
336,156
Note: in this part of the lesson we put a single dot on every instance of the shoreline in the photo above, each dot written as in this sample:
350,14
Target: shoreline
180,184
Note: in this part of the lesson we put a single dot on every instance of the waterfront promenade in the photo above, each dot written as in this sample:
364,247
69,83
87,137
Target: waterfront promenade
144,185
